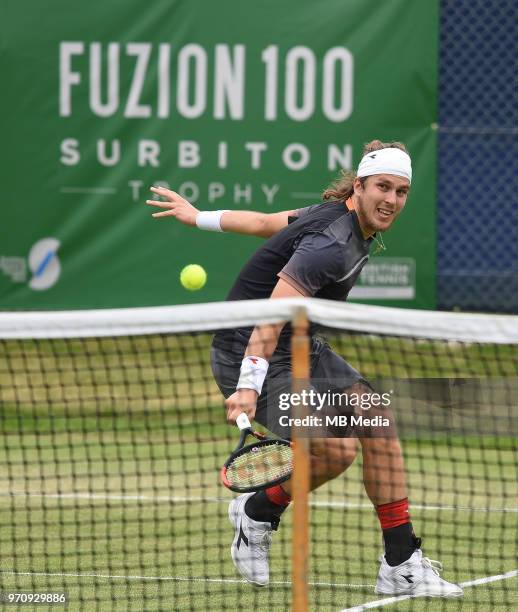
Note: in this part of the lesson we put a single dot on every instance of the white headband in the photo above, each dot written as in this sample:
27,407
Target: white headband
386,161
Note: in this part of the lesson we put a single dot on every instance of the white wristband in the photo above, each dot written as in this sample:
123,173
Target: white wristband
253,373
210,220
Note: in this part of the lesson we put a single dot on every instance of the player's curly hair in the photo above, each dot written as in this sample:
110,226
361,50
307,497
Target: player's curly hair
342,187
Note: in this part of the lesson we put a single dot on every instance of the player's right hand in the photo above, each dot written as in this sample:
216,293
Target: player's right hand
175,206
243,400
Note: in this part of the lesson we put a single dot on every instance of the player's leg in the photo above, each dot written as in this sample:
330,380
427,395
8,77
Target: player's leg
385,483
403,569
384,479
329,456
255,515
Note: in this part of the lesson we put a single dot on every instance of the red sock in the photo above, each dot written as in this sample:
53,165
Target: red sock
277,495
393,514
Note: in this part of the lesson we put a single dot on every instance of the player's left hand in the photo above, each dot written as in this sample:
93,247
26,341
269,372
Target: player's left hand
243,400
175,206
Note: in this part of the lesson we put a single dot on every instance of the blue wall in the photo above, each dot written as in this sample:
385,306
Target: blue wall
477,262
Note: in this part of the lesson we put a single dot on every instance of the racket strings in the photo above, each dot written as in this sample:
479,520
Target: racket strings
260,465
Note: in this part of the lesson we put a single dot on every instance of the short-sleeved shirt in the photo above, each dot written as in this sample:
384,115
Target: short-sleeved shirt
321,253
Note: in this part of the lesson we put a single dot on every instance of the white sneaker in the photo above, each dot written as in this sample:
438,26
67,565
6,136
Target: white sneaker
418,577
251,545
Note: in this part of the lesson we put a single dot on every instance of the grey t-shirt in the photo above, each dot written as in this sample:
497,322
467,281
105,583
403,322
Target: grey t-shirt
321,252
328,260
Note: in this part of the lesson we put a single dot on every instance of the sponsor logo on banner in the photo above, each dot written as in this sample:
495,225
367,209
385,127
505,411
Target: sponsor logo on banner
388,278
209,83
42,262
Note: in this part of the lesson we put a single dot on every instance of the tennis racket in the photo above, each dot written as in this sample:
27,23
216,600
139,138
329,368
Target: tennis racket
264,463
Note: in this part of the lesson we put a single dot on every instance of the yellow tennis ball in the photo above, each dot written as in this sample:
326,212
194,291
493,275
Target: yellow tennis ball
193,277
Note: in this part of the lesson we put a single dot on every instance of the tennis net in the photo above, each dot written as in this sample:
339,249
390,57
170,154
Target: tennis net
113,433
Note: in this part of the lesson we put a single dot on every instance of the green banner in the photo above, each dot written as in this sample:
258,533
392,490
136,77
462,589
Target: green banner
235,105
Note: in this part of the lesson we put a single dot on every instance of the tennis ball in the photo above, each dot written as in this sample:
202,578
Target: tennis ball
193,277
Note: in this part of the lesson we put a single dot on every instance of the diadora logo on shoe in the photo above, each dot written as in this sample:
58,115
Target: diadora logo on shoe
241,537
408,578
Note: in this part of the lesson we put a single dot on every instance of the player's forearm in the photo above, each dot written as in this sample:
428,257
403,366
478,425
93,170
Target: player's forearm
254,366
237,221
263,341
245,222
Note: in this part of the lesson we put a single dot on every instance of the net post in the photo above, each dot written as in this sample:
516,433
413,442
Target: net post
301,465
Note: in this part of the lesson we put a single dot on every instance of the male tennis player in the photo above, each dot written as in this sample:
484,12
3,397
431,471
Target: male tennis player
315,251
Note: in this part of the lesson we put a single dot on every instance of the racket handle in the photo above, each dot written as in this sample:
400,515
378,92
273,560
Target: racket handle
243,422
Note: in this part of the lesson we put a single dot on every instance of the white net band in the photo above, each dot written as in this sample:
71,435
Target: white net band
462,327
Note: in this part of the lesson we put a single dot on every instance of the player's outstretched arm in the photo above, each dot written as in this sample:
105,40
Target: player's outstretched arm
236,221
261,346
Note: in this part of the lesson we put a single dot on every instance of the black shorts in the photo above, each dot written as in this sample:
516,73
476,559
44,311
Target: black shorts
330,374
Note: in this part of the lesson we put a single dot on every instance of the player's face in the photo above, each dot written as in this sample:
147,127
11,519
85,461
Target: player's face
380,201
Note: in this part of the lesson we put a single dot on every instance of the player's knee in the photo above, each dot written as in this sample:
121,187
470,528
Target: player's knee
333,455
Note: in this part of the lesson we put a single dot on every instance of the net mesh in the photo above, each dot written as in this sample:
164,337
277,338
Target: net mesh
112,445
